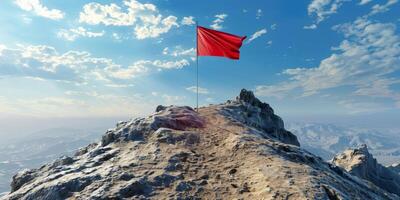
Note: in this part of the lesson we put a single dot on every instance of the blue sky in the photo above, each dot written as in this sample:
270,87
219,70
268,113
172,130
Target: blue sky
337,58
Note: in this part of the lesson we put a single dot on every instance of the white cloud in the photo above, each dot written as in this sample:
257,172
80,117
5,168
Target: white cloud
36,7
44,62
382,8
132,71
178,64
188,21
259,14
26,19
178,51
201,90
154,26
116,36
119,85
312,26
363,2
322,9
257,34
146,19
165,51
74,33
219,19
95,13
364,60
273,26
142,67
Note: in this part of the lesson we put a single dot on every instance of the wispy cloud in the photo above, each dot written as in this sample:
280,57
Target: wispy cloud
322,9
259,14
201,90
377,8
74,33
155,26
177,64
363,2
312,26
219,19
188,21
257,34
45,62
119,85
119,72
178,51
39,9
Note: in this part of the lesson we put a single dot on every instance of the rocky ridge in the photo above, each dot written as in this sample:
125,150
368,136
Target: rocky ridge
235,150
361,163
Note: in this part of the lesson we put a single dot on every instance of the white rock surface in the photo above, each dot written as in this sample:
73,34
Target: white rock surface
235,150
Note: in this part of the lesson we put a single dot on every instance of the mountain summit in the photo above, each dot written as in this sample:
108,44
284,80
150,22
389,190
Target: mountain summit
235,150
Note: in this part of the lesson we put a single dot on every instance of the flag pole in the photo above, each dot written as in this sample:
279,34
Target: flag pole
197,68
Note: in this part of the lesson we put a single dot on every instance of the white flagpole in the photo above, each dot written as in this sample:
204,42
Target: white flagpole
197,68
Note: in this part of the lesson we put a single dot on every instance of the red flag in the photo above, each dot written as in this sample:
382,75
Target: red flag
216,43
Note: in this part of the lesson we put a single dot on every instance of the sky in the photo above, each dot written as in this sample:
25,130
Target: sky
309,59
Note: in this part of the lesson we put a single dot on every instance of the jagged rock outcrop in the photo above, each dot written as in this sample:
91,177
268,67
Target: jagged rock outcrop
361,163
235,150
249,110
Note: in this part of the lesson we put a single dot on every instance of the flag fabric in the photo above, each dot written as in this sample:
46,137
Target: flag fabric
216,43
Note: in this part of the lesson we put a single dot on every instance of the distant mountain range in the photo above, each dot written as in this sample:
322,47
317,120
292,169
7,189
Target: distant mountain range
326,140
38,148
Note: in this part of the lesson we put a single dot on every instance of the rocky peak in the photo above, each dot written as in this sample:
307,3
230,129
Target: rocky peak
249,110
247,96
359,162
